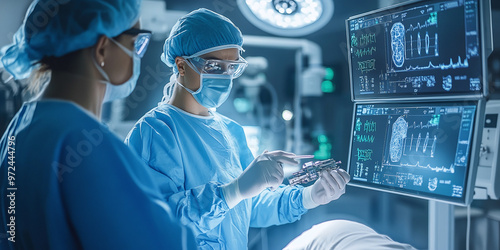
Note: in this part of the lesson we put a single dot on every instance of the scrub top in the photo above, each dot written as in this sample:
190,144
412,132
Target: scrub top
67,182
190,157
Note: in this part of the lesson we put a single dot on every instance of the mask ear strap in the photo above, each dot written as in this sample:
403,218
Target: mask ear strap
127,51
168,89
103,73
191,65
184,87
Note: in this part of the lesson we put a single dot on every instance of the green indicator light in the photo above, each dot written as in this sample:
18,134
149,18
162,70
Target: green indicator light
322,139
325,147
242,105
323,152
321,155
329,74
327,87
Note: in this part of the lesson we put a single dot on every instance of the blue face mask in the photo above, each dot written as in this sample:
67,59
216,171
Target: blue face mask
114,92
214,90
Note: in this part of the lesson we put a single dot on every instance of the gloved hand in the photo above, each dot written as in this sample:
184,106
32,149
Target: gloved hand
265,171
330,186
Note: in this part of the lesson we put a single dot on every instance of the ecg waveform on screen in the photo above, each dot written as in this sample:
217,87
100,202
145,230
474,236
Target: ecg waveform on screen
443,169
363,40
367,39
451,65
418,26
365,138
370,126
365,52
421,125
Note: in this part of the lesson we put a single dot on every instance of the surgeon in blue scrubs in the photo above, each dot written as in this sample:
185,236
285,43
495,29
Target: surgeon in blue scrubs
66,181
200,158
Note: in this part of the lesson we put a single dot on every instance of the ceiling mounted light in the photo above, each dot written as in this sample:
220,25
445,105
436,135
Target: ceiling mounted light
287,17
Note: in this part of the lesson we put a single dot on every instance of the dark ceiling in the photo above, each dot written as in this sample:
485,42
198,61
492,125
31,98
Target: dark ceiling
495,4
229,8
331,38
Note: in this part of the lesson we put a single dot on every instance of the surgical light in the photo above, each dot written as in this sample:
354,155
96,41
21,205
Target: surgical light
287,17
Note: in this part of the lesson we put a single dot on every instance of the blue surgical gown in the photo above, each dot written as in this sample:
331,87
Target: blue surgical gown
191,157
77,186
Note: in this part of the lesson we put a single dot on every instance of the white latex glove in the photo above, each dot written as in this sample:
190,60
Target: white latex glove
330,186
265,171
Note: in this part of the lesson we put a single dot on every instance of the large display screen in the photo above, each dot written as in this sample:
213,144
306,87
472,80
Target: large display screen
424,49
416,149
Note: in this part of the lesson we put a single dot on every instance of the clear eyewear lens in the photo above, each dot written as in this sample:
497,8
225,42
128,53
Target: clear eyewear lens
141,44
220,67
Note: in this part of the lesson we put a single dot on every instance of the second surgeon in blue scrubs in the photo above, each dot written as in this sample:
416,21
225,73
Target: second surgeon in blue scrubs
200,159
66,181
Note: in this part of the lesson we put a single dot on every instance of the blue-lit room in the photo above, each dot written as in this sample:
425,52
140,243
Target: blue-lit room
250,124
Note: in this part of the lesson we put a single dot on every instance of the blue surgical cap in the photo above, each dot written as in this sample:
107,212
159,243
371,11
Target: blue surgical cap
200,32
58,27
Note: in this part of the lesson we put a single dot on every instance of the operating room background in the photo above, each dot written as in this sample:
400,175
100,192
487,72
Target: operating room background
326,119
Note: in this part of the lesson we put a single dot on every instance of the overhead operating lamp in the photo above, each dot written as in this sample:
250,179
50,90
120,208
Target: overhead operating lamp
287,17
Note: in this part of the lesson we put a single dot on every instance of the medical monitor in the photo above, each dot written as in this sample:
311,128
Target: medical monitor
422,49
425,150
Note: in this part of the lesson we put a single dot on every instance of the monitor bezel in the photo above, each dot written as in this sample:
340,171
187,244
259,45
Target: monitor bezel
473,152
486,36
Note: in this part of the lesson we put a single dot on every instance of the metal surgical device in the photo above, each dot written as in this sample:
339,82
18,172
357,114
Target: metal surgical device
311,171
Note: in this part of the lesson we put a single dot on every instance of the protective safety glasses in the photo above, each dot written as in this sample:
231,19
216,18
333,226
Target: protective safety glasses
219,67
142,40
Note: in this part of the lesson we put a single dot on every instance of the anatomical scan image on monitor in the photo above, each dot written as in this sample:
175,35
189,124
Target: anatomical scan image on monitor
413,148
430,48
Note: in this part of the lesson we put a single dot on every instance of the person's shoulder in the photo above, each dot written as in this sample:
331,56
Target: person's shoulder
161,115
226,119
230,123
160,120
60,117
77,129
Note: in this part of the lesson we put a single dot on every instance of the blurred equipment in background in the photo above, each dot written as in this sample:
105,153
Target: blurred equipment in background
308,63
288,17
253,135
155,17
256,99
324,147
11,95
494,74
488,174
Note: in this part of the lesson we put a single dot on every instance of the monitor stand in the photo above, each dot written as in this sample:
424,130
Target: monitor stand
441,225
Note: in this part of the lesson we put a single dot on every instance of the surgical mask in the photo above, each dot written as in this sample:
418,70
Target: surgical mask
114,92
214,90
